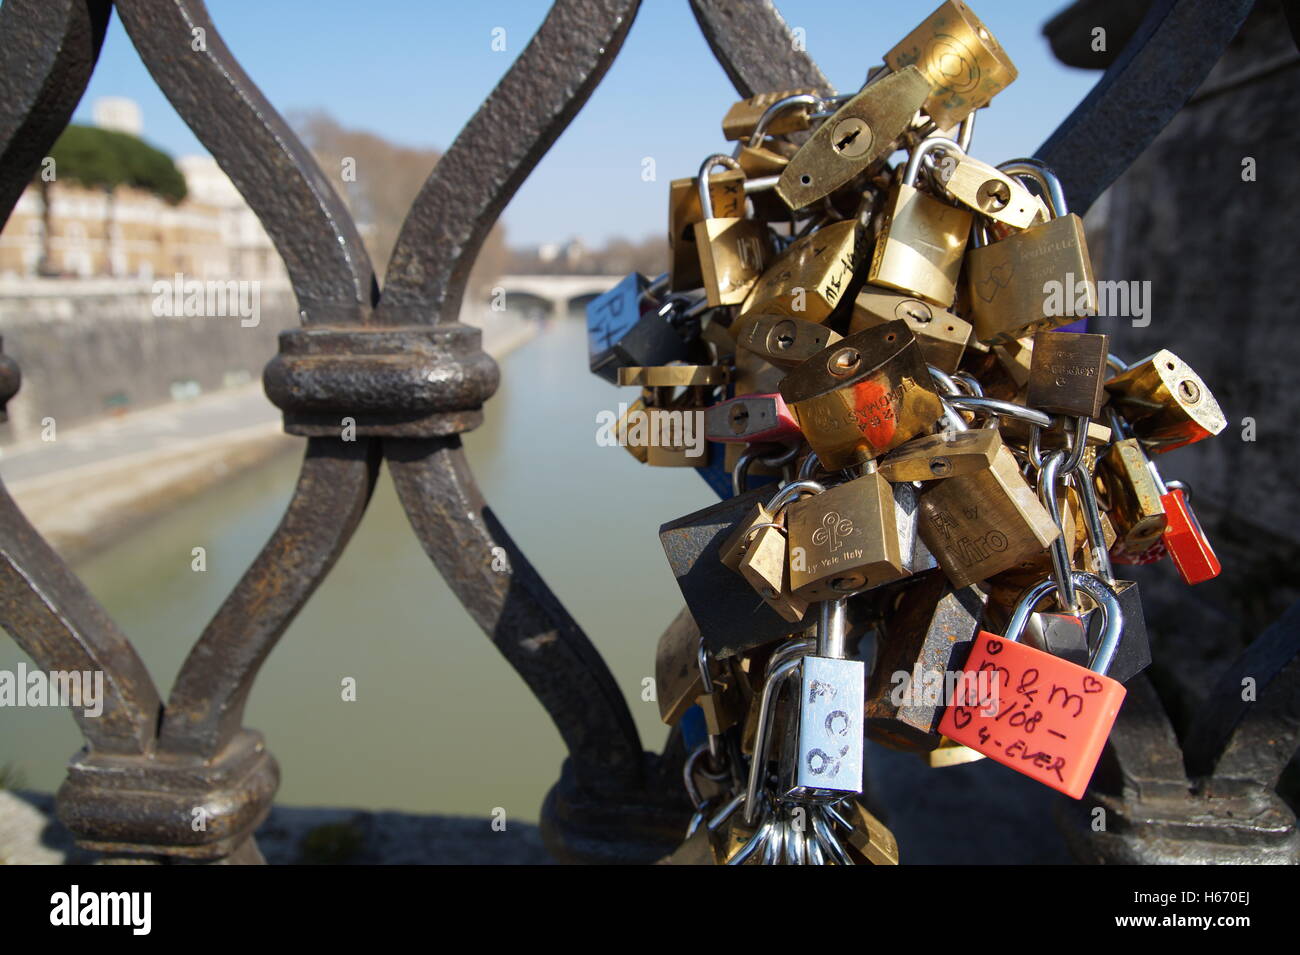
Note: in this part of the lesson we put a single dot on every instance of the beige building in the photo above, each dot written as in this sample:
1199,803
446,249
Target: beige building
131,233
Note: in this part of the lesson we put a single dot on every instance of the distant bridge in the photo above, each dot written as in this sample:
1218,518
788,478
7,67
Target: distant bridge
556,292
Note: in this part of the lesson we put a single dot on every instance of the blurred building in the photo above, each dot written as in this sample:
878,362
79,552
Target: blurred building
131,233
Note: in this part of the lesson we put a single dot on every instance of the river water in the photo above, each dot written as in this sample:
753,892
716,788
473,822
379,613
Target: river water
440,723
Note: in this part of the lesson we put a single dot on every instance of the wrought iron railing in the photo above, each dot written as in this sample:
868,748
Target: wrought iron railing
396,360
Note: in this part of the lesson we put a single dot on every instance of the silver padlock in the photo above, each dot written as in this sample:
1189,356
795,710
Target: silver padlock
825,761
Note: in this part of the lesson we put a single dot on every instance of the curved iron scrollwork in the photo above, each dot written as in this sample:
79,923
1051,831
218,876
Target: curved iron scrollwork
414,378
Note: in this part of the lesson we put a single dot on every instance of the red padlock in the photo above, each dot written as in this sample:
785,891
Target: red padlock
751,419
1038,714
1186,542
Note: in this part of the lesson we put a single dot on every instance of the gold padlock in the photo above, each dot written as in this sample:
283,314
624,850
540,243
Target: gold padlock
743,117
1132,496
943,455
863,396
1066,373
781,339
733,250
943,336
1166,403
756,550
922,239
988,190
810,277
860,133
727,191
1035,280
869,837
844,540
984,522
758,158
960,58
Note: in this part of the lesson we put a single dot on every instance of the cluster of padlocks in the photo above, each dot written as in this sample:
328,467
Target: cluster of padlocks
908,444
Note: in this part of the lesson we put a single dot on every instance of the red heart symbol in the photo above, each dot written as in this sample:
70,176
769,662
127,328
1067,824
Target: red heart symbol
1091,684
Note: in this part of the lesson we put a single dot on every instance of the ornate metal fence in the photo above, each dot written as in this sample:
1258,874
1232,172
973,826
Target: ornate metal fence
396,360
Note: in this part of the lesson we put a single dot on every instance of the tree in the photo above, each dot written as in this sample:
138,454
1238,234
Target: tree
378,180
106,159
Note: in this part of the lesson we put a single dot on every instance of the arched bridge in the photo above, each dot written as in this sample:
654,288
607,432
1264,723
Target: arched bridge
558,292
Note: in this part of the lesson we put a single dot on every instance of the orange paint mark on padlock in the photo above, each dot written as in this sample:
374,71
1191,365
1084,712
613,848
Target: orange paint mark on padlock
876,412
1186,542
1047,718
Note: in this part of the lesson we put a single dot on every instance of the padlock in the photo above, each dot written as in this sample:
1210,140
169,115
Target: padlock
1066,373
751,418
943,336
922,239
1052,717
743,117
1035,280
758,551
717,700
844,540
961,60
860,133
915,557
731,617
826,760
989,191
631,430
926,637
782,340
727,191
674,422
700,848
1016,358
733,250
984,522
770,159
943,455
868,836
1186,542
1165,403
1132,496
677,674
863,396
624,327
810,277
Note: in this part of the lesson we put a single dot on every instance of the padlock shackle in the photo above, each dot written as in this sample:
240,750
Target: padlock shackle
706,167
1041,173
763,733
913,167
791,492
1107,602
775,110
1059,550
1005,409
1092,524
832,629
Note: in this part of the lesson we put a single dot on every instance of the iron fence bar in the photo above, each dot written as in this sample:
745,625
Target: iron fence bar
49,50
53,617
1167,58
278,176
206,706
755,47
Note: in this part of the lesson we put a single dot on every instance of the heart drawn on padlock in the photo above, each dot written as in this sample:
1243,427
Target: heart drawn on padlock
1091,684
999,277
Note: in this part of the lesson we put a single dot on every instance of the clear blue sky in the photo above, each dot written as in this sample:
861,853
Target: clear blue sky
414,72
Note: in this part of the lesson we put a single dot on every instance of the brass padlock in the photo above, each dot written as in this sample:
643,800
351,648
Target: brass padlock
674,422
727,191
922,239
960,58
1066,373
860,133
984,522
782,340
743,117
1132,496
733,250
925,637
863,396
756,376
844,540
630,431
758,158
869,837
1166,403
810,277
1035,280
943,336
989,191
757,551
943,455
677,673
1017,359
